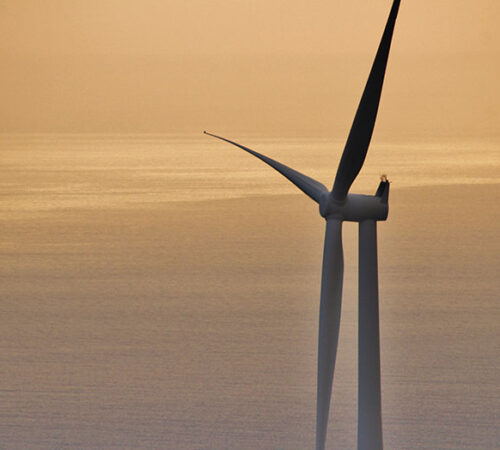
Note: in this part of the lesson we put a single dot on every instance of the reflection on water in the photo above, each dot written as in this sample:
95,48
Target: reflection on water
43,172
134,315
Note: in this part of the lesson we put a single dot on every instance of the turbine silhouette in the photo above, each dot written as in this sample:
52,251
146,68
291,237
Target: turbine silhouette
338,206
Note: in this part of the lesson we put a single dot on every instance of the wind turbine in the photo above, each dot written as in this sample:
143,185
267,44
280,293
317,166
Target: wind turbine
337,206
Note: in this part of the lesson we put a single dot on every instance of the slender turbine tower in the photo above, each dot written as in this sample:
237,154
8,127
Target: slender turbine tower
337,206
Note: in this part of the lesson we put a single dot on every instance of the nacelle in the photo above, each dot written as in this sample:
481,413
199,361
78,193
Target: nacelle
357,207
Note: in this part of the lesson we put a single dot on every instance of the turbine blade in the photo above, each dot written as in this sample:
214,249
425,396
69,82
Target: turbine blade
329,323
369,396
309,186
361,132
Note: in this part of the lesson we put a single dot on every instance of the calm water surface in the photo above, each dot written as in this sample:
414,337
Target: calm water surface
162,292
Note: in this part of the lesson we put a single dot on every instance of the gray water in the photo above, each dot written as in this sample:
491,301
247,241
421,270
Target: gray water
162,292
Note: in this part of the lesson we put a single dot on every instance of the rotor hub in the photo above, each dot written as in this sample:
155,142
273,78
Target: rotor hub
357,207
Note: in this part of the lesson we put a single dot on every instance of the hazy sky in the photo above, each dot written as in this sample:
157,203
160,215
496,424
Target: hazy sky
256,67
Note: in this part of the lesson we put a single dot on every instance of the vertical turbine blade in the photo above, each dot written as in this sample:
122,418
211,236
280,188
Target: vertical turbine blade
308,185
329,323
361,132
369,396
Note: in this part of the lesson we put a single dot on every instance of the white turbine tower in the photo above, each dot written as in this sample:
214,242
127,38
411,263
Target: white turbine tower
338,206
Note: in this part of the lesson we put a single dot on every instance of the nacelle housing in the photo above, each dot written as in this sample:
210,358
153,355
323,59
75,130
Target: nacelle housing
357,207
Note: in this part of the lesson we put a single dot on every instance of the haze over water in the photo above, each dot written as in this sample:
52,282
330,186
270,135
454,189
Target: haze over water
160,289
163,292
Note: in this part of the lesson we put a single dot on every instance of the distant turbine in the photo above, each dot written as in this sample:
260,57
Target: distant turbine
338,206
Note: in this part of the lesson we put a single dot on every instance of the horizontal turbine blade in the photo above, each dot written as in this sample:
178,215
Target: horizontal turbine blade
309,186
329,324
364,122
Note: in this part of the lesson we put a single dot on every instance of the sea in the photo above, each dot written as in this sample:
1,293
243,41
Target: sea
162,292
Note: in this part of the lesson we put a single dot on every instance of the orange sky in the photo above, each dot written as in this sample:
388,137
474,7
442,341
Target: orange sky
251,67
